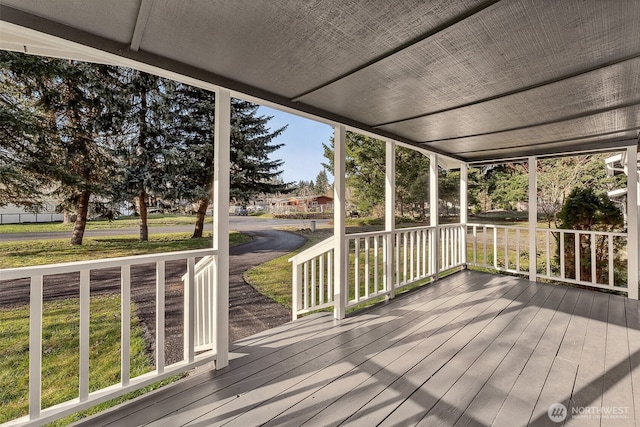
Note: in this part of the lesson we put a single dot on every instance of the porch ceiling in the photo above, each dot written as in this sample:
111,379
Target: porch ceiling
476,80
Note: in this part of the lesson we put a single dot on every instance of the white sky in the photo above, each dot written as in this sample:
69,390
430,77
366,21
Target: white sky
302,151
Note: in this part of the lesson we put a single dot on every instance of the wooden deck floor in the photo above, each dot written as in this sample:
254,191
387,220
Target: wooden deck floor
473,349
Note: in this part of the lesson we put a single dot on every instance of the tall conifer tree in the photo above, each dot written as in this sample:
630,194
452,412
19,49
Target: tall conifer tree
145,144
80,112
252,171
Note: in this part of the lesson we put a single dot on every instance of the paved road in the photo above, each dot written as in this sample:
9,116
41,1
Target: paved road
239,223
250,312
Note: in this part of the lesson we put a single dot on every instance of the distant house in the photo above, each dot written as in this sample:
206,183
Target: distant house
319,204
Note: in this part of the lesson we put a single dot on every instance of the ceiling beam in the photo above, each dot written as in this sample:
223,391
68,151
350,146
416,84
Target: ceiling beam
513,92
614,145
545,123
542,148
590,148
141,24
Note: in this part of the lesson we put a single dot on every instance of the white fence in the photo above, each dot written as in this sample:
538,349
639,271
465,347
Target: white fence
417,254
192,334
20,217
601,261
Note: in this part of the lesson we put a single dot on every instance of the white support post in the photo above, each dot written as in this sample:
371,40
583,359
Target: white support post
533,217
35,347
222,157
464,208
125,324
389,215
85,318
160,310
434,214
296,302
340,287
189,313
632,221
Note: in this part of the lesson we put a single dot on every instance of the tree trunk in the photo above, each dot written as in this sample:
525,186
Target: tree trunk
66,217
81,218
144,228
203,204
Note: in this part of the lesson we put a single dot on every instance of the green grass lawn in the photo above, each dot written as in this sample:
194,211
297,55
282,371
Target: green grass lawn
273,278
61,354
154,220
39,252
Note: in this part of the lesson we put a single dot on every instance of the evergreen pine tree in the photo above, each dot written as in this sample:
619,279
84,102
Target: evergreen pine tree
191,164
80,113
252,171
190,160
322,183
143,148
21,138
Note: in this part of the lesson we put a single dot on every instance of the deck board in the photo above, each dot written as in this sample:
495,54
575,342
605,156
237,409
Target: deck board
588,387
473,349
618,389
478,374
522,397
397,343
447,345
431,398
490,398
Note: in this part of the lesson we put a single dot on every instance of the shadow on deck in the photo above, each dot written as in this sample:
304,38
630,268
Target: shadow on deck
473,349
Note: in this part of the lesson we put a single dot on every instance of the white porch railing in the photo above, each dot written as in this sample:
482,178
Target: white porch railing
600,264
313,278
421,254
205,302
416,257
85,399
488,244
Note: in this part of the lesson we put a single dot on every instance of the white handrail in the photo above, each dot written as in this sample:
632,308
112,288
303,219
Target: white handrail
313,251
68,267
